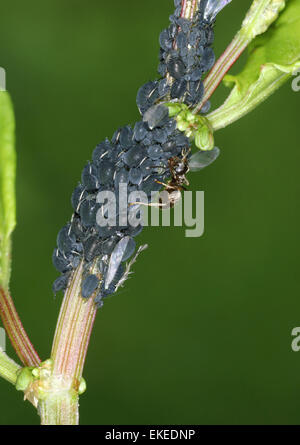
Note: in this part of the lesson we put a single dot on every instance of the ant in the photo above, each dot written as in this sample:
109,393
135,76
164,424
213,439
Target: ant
179,167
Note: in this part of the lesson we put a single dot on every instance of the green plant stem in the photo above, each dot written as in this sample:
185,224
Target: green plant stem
222,66
7,185
8,368
69,350
8,313
16,331
226,115
9,371
60,408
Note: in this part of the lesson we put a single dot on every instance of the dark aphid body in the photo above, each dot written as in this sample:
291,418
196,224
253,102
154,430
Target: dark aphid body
99,300
78,196
146,96
185,55
205,108
89,285
61,262
88,211
135,176
89,177
92,248
176,67
179,88
155,115
66,241
61,283
195,91
134,156
141,160
140,131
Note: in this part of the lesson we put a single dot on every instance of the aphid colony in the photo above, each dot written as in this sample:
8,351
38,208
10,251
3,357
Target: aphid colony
185,55
142,157
137,157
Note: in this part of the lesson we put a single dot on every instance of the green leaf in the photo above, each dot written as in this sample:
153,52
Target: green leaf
260,16
7,184
273,58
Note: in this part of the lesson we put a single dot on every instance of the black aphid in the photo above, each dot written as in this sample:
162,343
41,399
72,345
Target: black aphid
155,116
89,286
61,283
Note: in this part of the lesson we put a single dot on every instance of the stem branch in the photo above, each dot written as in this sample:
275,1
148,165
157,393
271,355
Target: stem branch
226,115
16,331
8,368
222,66
73,330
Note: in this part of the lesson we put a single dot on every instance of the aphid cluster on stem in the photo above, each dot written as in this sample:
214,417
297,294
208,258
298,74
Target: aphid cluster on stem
142,158
138,157
186,54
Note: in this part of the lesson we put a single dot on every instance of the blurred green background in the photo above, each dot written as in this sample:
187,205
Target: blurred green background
201,333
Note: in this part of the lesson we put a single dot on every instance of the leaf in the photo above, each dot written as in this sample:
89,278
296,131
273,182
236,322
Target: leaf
272,59
7,184
260,16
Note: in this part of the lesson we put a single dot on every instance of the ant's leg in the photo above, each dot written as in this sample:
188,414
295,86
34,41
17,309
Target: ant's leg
168,186
161,183
185,153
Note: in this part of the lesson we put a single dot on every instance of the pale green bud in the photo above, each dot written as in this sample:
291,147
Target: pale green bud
82,386
24,379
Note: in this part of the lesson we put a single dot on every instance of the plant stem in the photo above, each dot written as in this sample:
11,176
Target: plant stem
226,115
73,330
69,351
7,185
222,66
8,311
60,409
8,368
189,8
16,331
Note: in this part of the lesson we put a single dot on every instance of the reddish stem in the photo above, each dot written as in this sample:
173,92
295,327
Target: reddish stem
16,331
221,68
73,331
188,14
